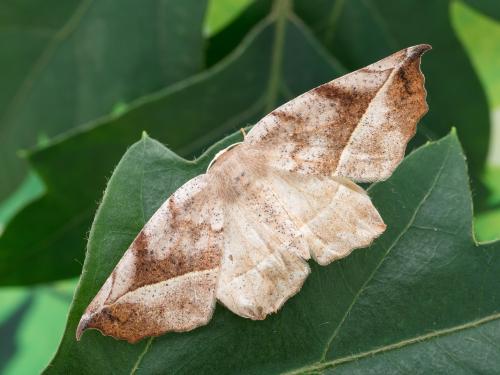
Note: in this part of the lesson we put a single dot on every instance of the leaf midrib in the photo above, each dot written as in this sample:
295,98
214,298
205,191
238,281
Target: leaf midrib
281,10
43,59
139,358
401,344
332,21
379,19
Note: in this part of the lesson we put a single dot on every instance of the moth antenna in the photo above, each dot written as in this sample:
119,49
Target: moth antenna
242,130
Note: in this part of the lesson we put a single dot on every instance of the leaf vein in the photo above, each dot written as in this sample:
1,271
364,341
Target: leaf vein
398,345
396,241
141,356
44,58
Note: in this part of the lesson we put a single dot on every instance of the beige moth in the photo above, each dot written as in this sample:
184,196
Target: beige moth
242,233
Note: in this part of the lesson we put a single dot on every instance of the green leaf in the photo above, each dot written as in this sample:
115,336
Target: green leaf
30,189
487,225
492,180
481,36
264,71
425,289
222,12
31,324
226,40
488,7
69,62
361,31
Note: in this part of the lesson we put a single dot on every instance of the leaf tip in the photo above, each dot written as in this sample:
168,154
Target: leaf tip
144,135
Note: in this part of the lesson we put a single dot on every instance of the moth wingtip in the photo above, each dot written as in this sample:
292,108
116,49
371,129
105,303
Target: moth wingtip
82,326
425,47
418,50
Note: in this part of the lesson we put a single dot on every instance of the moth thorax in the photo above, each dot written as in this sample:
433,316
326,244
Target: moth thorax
222,152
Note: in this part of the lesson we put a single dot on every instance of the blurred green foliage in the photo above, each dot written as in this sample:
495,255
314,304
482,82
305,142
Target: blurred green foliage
31,323
138,98
481,36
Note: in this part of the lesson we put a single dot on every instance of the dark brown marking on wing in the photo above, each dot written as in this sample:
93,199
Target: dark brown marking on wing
178,262
135,321
407,95
288,116
351,104
150,269
406,100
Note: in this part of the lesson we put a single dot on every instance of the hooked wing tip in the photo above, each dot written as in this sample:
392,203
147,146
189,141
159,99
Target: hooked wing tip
82,326
418,50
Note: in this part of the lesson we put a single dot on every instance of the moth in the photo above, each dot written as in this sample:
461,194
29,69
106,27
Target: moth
242,233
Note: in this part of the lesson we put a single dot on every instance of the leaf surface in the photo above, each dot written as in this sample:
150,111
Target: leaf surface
263,72
67,63
423,298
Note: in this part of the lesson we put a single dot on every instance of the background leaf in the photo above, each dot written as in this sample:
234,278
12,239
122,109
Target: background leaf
491,7
263,72
67,63
222,12
31,322
31,188
225,40
472,26
424,285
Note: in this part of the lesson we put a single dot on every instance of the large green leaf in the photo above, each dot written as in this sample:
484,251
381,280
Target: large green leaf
425,289
264,71
65,63
360,31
